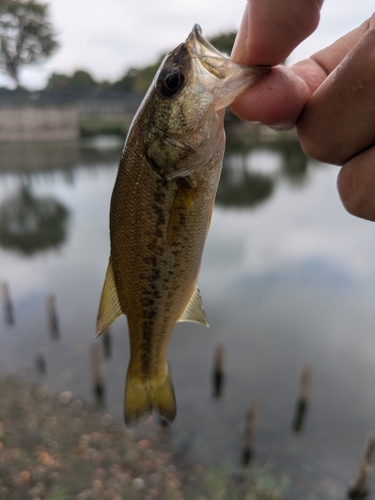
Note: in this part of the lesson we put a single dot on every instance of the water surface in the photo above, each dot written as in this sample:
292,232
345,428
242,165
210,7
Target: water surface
287,279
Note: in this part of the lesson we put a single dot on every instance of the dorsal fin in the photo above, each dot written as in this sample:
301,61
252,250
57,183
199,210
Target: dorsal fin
194,310
110,308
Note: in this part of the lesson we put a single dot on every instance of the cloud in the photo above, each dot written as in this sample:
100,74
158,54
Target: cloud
108,37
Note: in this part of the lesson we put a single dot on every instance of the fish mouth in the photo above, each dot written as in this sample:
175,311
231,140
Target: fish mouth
201,47
209,57
229,79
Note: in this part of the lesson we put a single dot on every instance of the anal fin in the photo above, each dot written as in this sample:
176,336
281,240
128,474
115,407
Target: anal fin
109,308
194,310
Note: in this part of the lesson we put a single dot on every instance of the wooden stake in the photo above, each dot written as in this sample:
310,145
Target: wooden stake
97,374
358,487
251,418
218,375
53,322
7,305
302,399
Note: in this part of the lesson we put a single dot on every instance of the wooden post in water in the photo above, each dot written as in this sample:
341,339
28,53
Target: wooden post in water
7,305
303,398
52,318
251,418
218,374
97,374
40,364
358,487
107,343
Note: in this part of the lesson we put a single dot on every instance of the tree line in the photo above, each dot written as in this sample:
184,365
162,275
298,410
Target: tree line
27,37
136,79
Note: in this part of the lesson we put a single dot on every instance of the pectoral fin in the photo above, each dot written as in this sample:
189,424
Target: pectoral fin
110,308
194,310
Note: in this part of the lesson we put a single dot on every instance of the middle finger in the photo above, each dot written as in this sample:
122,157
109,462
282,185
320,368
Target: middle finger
339,119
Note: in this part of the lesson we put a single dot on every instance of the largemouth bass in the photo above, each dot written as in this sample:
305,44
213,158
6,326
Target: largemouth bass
161,209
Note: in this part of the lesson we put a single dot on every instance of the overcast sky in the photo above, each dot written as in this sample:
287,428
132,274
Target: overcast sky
106,37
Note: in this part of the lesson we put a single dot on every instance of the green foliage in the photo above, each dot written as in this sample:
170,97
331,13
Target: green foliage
247,484
127,81
138,79
80,80
58,81
30,224
224,41
59,494
26,35
135,80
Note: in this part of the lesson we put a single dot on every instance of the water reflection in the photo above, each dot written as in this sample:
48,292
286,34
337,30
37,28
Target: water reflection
283,276
29,158
107,343
251,190
218,375
52,317
7,305
243,184
293,159
303,399
31,224
359,486
34,157
251,420
40,364
97,377
163,421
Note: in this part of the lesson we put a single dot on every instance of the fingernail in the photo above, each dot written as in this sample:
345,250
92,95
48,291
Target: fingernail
239,47
282,127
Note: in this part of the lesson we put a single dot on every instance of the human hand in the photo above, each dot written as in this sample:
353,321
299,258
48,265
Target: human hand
330,96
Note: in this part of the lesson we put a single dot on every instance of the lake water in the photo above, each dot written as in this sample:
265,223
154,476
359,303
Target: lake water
288,280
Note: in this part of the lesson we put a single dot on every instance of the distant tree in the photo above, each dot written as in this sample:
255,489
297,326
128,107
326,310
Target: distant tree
58,81
80,80
127,81
224,41
135,80
138,79
26,35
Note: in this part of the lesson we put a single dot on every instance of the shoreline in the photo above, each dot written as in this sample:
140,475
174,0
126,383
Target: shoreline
59,447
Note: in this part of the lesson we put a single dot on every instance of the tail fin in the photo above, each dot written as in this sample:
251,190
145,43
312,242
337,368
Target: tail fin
141,398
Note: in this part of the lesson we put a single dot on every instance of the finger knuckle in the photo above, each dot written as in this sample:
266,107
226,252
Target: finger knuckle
353,193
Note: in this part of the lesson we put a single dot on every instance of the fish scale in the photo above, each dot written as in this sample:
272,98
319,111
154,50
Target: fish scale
161,209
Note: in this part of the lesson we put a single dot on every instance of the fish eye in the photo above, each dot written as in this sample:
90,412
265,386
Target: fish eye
171,81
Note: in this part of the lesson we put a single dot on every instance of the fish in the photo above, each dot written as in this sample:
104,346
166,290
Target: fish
160,212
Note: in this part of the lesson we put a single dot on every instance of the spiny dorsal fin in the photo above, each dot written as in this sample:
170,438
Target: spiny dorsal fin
194,310
110,308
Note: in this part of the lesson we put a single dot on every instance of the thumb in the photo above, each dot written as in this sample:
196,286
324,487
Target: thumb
271,29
